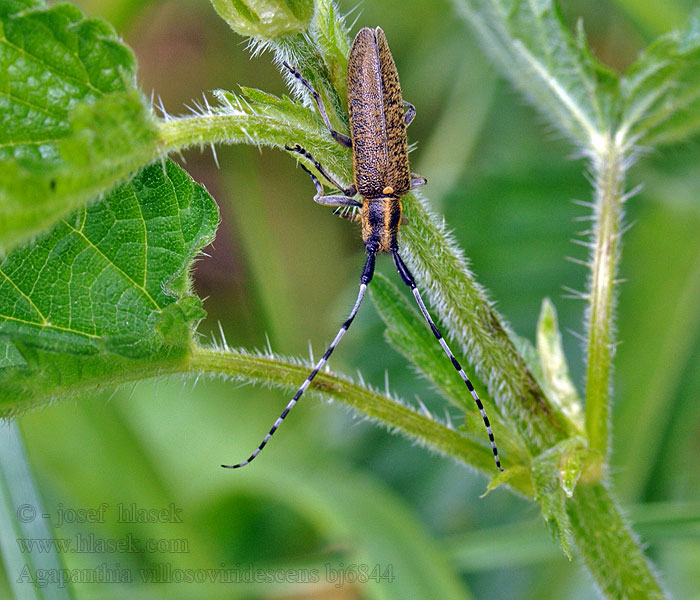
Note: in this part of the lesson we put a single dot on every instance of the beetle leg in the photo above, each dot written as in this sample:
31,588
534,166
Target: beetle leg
349,191
341,138
333,200
417,180
410,113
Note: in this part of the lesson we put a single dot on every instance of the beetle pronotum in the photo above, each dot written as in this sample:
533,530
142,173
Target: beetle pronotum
381,177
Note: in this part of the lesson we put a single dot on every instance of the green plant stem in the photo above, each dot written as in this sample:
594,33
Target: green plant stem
610,549
609,168
185,132
287,376
390,412
261,129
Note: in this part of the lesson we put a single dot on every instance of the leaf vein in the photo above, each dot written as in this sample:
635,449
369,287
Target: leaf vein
141,288
49,325
14,285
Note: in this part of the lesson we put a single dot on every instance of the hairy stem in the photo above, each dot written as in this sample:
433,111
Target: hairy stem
610,549
376,406
609,170
285,375
258,125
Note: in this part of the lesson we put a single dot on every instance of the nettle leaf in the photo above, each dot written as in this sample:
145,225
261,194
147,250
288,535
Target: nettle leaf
554,69
72,123
552,498
661,90
106,289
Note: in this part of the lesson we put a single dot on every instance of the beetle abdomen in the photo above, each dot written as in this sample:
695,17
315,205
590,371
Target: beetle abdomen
380,223
377,127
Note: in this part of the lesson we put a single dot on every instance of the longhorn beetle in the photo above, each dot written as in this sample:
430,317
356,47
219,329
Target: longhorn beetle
381,177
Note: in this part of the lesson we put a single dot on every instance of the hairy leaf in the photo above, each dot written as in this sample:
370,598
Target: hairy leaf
72,123
661,90
265,18
107,288
555,70
550,493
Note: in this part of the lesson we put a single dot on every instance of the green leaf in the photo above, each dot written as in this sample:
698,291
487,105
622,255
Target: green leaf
556,71
409,334
108,285
661,90
21,510
9,7
519,471
175,322
72,123
555,474
555,371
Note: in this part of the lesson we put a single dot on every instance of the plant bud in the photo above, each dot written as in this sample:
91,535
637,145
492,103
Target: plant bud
265,19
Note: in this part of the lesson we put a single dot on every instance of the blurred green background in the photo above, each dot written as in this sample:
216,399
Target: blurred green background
333,490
